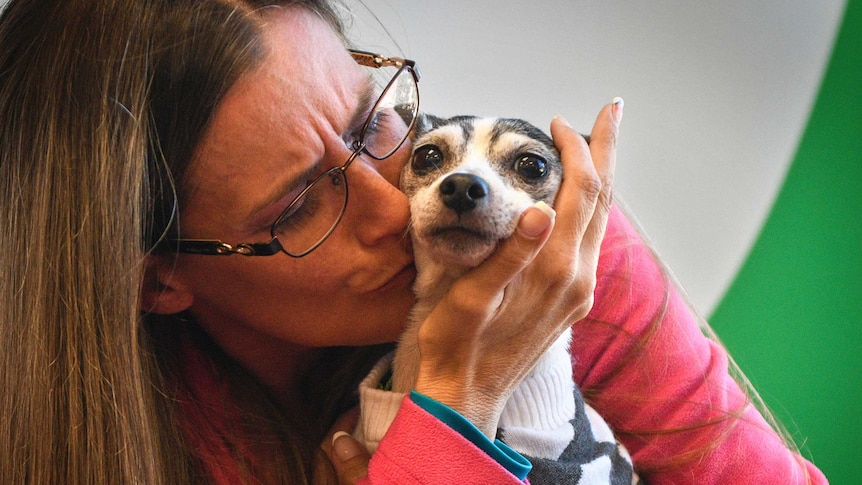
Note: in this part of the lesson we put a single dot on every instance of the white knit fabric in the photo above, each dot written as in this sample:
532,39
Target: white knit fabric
377,407
537,417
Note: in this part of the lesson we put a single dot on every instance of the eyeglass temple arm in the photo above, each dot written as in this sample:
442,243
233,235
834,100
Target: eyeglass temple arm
370,59
211,247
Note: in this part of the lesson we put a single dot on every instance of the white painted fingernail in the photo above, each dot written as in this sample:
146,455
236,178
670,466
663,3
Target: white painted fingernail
617,109
562,120
345,449
535,222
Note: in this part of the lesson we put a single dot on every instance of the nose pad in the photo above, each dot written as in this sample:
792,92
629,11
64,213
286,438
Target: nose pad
461,192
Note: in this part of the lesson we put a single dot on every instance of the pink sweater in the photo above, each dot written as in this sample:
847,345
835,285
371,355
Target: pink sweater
679,378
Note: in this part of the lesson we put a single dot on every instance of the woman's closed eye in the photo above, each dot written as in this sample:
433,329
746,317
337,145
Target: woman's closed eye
301,210
384,132
353,133
377,122
316,212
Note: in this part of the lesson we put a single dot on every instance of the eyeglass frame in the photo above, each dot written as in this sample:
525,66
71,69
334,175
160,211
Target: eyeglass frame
216,247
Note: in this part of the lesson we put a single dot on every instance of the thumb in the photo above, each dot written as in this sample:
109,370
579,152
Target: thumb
536,222
516,252
349,458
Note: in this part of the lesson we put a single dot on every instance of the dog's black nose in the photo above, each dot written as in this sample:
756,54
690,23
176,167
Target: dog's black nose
461,191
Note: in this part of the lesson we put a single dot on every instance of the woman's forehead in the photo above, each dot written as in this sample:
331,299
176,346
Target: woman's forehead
306,56
306,82
278,118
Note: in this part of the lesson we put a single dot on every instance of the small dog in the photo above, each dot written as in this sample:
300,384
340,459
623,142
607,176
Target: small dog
468,182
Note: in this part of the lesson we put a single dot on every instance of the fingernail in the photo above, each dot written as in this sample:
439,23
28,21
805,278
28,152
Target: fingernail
617,109
562,120
345,447
536,220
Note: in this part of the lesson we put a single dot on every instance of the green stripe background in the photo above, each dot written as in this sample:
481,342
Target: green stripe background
793,316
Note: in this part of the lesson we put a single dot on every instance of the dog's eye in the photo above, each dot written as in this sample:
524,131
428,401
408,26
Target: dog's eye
531,166
427,158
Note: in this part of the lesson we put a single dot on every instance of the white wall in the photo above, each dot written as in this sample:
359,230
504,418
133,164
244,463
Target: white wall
716,94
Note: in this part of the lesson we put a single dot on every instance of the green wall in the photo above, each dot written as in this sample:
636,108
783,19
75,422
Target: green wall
793,316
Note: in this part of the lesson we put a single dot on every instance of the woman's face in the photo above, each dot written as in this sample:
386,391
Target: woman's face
284,122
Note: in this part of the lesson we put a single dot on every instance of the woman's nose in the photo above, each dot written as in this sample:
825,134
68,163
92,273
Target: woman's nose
376,208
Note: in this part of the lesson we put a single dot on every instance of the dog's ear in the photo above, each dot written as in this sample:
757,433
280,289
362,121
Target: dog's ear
425,123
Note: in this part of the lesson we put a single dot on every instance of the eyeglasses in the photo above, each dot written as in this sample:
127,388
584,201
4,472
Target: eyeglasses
315,213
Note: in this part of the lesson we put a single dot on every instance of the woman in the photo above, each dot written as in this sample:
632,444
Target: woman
137,349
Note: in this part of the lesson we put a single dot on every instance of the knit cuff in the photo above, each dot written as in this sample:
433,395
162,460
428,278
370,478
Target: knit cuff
541,401
377,407
537,418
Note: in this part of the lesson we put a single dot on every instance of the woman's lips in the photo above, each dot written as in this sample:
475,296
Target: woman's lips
403,278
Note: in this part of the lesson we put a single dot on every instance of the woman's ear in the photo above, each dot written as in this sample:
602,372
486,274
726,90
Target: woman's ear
162,292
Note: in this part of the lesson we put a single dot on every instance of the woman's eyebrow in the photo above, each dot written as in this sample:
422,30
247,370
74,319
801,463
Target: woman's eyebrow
360,113
363,106
293,184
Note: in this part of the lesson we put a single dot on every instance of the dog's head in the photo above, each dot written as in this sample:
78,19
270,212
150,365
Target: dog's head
469,180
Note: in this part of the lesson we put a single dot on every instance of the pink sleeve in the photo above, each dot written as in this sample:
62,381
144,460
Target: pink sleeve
645,365
419,448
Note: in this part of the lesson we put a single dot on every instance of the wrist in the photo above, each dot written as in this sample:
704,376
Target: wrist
480,408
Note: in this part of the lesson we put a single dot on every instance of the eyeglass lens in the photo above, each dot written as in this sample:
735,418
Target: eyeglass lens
387,126
312,216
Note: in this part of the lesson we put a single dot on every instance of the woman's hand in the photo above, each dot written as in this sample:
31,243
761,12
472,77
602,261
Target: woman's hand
496,321
348,457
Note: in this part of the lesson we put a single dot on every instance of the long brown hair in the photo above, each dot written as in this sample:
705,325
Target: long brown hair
102,105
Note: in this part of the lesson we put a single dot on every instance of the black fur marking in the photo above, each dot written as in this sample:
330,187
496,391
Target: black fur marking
513,125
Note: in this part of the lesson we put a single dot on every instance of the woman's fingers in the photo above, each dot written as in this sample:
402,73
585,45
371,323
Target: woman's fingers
603,149
515,253
603,139
349,458
476,296
580,188
586,194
